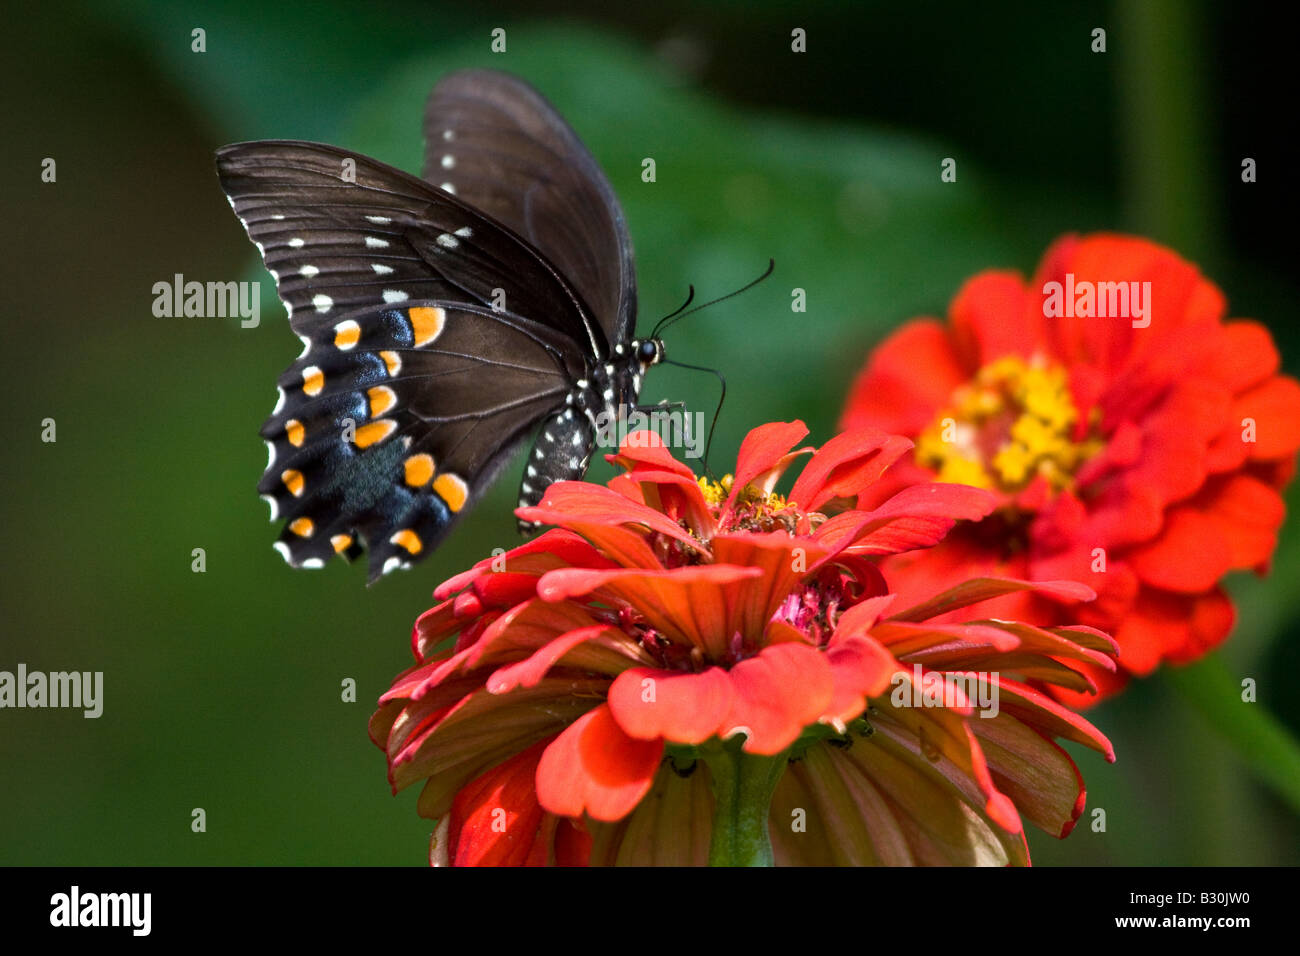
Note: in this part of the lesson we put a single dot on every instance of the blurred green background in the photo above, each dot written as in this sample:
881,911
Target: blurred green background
223,688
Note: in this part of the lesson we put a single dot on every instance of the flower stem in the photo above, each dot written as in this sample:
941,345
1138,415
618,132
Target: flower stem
1260,739
742,797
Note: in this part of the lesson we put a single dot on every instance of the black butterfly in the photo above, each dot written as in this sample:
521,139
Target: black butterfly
442,320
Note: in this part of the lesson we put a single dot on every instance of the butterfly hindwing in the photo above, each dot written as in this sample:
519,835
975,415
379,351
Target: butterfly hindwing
394,419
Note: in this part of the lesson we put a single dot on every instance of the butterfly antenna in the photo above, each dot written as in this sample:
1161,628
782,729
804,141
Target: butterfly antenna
679,315
690,297
721,398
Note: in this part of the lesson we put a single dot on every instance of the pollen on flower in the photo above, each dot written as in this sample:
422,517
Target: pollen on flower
715,492
1012,423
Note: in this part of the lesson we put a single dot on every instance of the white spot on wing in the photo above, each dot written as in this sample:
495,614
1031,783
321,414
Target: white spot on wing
296,243
275,508
448,187
395,295
464,232
381,270
322,302
308,272
447,241
283,549
373,243
448,161
379,220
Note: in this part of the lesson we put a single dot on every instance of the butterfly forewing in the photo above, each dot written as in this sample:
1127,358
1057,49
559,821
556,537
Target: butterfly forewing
502,148
331,225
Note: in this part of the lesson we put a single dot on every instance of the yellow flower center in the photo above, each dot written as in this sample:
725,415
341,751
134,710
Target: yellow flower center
715,492
753,508
1012,423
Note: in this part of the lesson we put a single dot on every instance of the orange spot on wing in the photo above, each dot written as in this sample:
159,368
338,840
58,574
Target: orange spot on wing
392,360
368,435
302,527
426,323
313,380
293,480
341,542
452,489
382,399
346,334
409,540
294,431
419,470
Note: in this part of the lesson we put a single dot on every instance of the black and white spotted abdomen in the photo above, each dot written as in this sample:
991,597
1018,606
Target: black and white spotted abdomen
562,453
567,440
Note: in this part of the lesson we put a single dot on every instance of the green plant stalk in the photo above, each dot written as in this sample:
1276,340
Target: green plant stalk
1259,739
742,798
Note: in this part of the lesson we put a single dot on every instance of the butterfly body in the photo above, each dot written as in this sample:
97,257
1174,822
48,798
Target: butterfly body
444,320
600,398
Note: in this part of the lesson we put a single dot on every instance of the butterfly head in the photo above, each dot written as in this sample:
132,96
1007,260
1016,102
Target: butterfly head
649,352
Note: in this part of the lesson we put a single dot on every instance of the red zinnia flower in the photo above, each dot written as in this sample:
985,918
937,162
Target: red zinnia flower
632,685
1137,442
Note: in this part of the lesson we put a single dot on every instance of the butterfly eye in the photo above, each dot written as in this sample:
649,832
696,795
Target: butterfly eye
648,351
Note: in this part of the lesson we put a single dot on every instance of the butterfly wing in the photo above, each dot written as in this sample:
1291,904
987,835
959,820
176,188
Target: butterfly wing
383,432
387,427
499,145
339,231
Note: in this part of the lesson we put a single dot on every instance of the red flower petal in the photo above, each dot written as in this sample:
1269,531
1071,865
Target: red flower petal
779,692
1243,355
603,517
553,549
1248,513
648,451
1275,408
599,649
680,708
495,818
690,605
783,562
860,668
981,589
890,395
759,452
1037,776
1190,554
980,314
916,517
861,617
846,465
594,767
